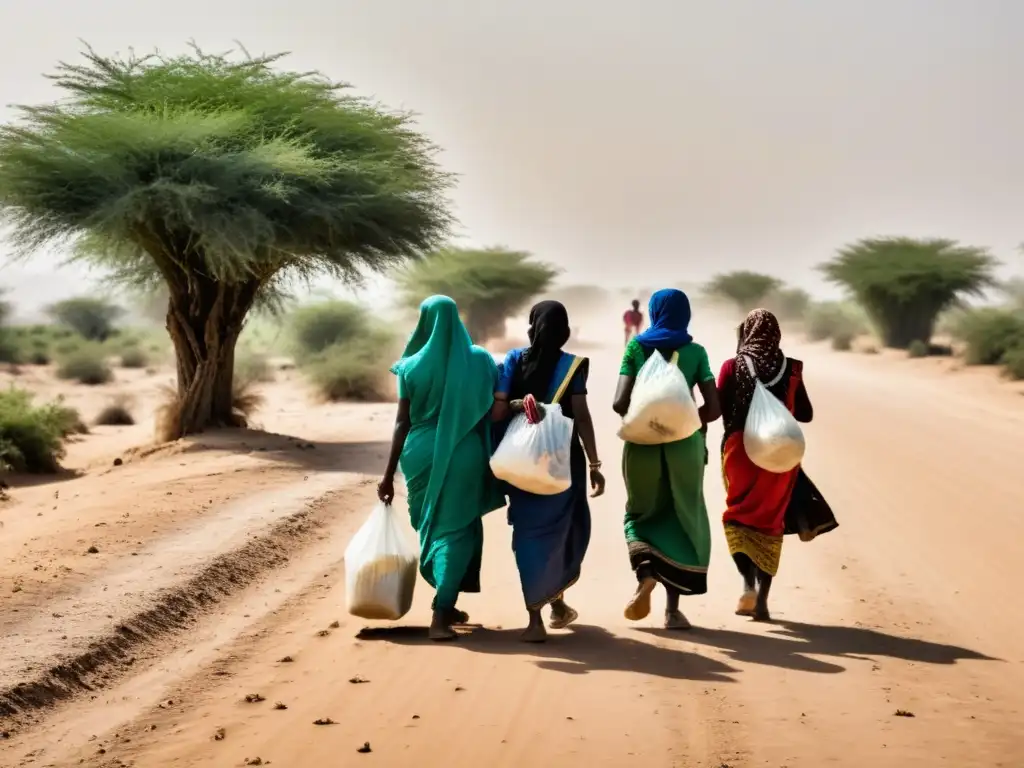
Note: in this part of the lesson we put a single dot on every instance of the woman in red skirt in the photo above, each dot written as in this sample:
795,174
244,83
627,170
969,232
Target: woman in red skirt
763,506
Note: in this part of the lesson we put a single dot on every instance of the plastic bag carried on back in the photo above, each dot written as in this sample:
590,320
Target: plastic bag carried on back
535,457
380,568
661,407
772,437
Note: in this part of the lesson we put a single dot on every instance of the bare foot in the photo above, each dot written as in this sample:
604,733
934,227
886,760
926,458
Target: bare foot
562,615
676,620
748,601
535,633
761,613
440,628
459,617
639,607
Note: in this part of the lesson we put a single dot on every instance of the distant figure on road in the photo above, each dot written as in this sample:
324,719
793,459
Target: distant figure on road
633,320
763,506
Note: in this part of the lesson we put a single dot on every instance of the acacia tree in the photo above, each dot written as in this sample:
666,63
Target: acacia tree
743,289
904,284
218,176
489,285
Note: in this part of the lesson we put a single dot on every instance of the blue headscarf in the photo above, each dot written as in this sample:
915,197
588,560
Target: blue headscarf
669,312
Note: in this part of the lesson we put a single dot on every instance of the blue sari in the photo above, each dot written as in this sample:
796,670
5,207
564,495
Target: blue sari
550,534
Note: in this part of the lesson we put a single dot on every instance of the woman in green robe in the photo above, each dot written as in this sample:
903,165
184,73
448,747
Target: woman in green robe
442,441
667,528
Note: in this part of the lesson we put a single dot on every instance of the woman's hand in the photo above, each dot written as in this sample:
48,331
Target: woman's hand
519,406
597,483
386,490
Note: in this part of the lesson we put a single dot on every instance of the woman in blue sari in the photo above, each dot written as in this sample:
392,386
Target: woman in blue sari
550,534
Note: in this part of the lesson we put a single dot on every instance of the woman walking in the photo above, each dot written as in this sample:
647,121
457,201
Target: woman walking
442,439
666,525
550,534
762,506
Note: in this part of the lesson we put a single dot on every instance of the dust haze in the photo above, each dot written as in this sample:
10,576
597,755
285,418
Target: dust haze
656,142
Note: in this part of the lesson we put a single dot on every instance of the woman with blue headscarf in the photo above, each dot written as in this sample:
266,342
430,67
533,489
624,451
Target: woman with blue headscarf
666,524
442,440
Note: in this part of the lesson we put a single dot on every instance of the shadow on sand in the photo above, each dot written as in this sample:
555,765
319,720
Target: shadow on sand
339,456
583,650
791,645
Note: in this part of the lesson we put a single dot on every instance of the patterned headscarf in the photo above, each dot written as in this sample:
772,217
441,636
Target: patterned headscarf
759,340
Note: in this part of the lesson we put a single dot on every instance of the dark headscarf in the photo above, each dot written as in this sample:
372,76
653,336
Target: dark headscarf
549,331
669,312
760,337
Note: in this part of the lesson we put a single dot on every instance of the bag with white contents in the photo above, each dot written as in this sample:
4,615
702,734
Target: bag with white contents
772,437
380,568
661,407
535,457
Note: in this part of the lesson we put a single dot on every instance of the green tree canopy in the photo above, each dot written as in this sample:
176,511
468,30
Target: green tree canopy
904,284
220,176
489,285
743,289
91,317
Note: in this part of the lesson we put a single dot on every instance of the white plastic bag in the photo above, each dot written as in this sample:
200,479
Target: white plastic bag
772,437
380,568
535,457
661,408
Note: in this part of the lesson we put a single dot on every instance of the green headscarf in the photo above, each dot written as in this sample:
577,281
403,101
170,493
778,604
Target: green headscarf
449,380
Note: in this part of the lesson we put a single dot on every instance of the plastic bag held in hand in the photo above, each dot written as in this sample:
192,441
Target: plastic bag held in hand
772,437
380,568
661,407
535,457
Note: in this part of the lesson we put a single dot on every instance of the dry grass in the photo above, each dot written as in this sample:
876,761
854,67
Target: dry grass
245,401
117,413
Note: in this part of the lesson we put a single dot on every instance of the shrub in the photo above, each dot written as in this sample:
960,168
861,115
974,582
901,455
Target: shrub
92,318
843,341
86,365
117,413
904,284
32,437
253,367
1013,363
828,319
989,334
743,289
789,303
918,348
134,357
315,327
356,370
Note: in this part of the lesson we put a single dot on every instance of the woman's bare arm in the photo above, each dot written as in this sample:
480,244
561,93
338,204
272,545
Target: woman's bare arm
402,426
711,410
585,425
623,393
803,411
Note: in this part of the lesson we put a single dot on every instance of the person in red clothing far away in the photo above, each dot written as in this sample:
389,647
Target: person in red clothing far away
633,320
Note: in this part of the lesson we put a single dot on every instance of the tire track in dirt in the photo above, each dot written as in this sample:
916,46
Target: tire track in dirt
183,577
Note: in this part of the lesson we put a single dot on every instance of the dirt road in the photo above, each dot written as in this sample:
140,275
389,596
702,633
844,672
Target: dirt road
908,609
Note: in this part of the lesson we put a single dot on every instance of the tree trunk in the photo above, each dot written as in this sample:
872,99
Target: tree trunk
204,321
485,324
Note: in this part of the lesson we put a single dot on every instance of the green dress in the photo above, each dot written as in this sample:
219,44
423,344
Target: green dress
666,523
449,384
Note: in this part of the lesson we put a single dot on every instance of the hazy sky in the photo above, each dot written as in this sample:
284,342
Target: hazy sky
649,141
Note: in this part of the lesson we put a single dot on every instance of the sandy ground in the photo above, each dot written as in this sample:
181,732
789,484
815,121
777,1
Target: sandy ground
218,575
